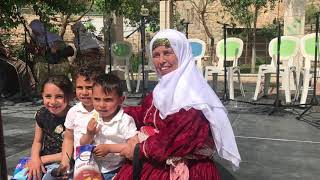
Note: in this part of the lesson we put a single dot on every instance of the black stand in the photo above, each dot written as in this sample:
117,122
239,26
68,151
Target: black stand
277,102
225,96
314,100
78,48
186,25
109,43
225,91
47,48
143,51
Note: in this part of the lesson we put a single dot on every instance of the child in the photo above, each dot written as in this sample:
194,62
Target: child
113,128
46,148
80,114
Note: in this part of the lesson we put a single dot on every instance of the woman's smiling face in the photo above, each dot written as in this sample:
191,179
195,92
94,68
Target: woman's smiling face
164,60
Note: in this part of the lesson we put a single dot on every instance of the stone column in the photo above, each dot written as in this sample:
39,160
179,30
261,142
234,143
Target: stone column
294,21
294,17
165,14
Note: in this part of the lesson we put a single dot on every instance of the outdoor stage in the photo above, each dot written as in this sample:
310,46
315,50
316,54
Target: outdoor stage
272,147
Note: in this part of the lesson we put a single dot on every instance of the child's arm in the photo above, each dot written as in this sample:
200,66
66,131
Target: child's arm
91,131
67,147
51,158
35,165
102,150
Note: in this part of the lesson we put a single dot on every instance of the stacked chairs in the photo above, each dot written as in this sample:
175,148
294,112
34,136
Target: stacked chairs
288,50
307,48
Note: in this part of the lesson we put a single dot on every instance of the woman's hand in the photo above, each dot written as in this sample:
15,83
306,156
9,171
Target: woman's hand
128,150
101,150
35,166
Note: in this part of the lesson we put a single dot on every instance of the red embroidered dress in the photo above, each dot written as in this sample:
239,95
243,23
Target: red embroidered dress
179,135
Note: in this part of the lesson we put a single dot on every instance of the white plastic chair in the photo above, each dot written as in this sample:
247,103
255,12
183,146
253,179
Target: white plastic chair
307,47
288,50
198,50
234,48
122,50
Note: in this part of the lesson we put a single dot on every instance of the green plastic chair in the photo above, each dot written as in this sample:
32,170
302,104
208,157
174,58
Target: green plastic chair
234,51
289,48
307,46
122,51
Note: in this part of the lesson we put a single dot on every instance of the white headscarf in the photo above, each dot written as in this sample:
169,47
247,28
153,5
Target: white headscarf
38,27
186,88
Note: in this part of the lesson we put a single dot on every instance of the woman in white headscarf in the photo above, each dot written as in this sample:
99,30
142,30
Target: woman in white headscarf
182,122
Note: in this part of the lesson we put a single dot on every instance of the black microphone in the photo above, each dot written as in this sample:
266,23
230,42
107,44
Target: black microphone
224,23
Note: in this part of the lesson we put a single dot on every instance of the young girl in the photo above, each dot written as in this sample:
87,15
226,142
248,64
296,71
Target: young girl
56,92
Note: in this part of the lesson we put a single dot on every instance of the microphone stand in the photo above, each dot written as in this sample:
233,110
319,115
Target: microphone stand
141,28
143,52
314,100
225,96
47,47
78,48
225,93
109,43
277,102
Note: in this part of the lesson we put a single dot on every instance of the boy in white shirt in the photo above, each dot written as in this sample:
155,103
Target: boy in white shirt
111,131
80,114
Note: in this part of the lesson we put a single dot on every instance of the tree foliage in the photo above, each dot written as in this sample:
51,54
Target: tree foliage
131,9
202,9
311,13
51,12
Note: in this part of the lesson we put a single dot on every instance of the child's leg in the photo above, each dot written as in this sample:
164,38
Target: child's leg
110,175
49,168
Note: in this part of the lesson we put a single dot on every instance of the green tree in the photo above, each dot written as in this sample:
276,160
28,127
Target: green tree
130,9
310,16
246,13
58,11
202,9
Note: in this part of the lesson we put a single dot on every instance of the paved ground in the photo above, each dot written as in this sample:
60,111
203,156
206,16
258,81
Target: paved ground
273,147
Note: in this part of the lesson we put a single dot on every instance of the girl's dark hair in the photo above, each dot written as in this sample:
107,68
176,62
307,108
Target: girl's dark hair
90,71
109,82
63,83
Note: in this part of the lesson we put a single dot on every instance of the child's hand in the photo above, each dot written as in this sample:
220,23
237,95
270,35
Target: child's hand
101,150
35,166
92,127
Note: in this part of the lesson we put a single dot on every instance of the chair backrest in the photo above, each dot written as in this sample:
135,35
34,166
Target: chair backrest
234,48
289,48
307,46
121,50
198,48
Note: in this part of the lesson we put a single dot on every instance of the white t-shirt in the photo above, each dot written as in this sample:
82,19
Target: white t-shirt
118,130
77,119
